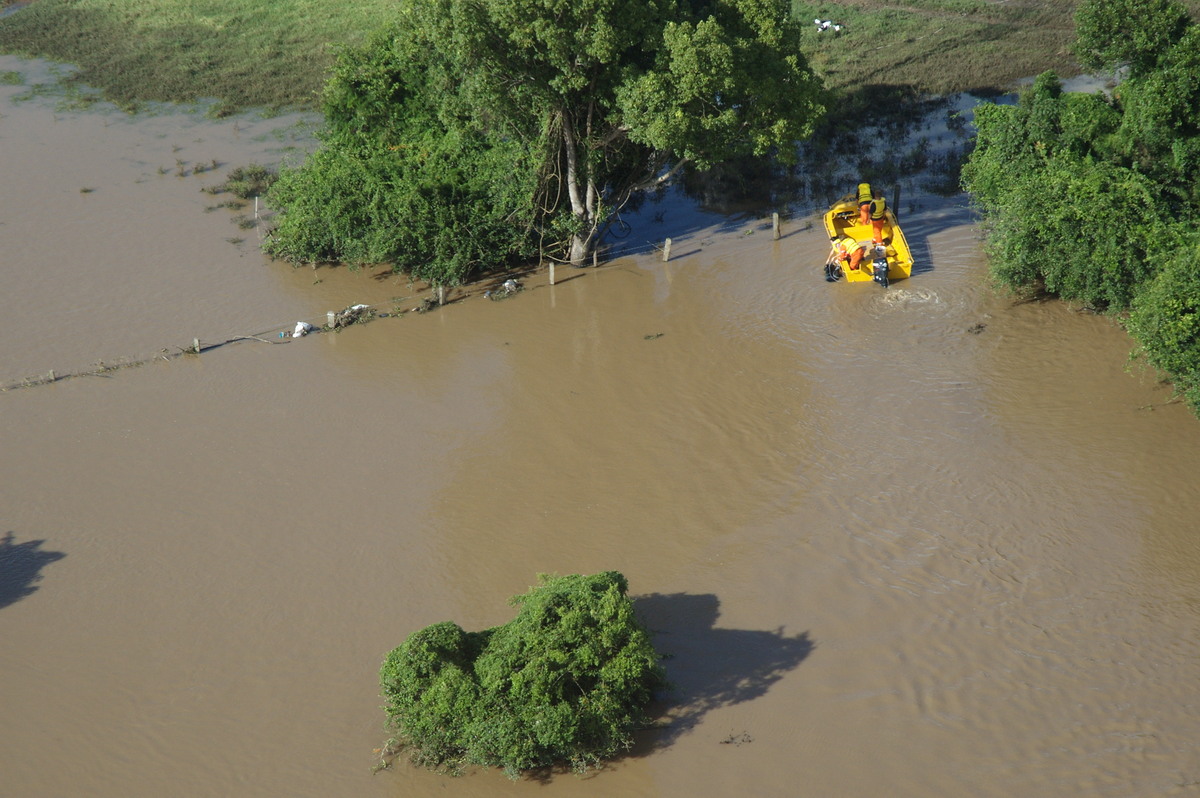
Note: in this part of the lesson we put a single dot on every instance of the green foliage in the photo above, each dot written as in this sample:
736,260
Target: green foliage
730,83
1085,234
565,109
395,182
1113,33
426,209
1089,198
249,181
1161,121
1057,214
566,681
1165,320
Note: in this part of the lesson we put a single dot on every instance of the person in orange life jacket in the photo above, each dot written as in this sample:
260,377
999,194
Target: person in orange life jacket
872,210
849,251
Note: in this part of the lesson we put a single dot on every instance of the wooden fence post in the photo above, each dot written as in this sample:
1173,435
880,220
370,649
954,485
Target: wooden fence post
667,250
775,224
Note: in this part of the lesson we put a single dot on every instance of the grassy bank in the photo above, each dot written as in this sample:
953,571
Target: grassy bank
274,54
245,53
940,46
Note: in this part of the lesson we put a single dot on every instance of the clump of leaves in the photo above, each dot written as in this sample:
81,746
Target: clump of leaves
566,681
248,181
1165,320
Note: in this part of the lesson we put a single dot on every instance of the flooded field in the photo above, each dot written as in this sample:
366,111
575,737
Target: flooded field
914,542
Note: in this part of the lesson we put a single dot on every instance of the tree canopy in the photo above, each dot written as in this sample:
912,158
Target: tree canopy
1127,33
566,681
519,125
1094,198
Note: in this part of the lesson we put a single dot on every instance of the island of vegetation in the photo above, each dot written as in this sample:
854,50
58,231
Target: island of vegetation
566,682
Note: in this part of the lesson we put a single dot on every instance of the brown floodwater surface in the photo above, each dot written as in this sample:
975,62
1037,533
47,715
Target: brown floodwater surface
922,541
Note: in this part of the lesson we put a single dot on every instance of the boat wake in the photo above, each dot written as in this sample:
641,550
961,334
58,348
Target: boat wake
903,298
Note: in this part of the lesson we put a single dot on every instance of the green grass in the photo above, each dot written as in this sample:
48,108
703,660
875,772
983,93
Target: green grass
942,46
275,53
939,46
243,53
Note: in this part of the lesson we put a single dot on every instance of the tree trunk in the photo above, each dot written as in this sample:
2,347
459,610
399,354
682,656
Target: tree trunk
581,250
583,200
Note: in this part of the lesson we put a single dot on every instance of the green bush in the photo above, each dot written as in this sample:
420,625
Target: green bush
1059,215
1166,321
395,182
1112,33
249,181
566,681
1093,199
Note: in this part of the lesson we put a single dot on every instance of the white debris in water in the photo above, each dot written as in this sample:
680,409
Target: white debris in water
303,328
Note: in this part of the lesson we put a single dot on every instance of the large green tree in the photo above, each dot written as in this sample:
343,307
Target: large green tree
590,100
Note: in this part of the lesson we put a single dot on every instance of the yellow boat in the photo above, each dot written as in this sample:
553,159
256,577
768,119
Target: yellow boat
893,262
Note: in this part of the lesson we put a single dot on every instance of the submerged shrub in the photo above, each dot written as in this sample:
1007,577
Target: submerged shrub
566,681
249,181
1166,321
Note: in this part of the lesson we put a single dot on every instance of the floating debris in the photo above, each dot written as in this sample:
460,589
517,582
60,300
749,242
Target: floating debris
303,328
355,314
507,289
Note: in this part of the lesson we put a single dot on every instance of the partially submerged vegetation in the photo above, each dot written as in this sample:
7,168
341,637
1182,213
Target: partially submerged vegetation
1094,198
566,682
467,134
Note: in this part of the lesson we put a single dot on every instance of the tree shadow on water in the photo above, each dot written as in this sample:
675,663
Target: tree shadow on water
21,566
710,667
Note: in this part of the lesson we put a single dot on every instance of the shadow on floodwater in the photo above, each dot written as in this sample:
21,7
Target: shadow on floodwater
21,567
710,667
707,667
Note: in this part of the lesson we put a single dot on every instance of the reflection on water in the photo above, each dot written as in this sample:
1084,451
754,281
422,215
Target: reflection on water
922,541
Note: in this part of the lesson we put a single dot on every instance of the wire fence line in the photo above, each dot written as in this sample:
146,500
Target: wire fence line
331,322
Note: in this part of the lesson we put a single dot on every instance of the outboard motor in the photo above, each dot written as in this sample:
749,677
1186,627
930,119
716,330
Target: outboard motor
879,267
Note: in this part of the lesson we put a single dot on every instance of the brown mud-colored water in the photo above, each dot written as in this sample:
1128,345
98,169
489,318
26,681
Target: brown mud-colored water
913,542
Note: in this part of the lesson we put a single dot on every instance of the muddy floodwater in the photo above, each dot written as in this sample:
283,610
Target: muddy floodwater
928,541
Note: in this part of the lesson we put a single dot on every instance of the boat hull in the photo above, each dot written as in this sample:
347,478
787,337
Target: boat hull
843,220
